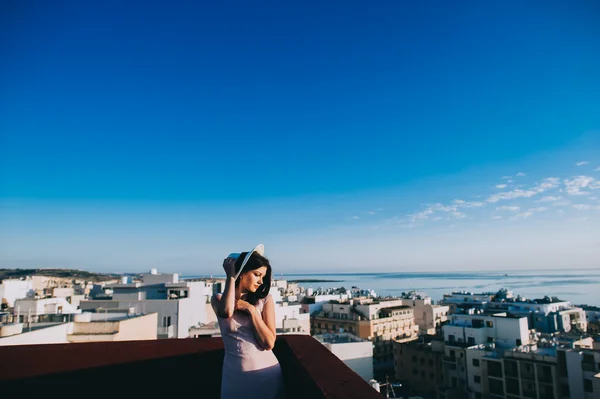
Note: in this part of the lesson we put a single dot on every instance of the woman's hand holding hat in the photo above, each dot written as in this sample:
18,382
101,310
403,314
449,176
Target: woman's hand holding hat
229,266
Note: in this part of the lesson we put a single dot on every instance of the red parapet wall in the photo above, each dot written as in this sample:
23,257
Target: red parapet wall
168,367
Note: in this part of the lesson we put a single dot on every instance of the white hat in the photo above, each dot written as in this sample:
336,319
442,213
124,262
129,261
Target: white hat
259,249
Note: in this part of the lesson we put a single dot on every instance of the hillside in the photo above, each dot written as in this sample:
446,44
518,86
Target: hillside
61,273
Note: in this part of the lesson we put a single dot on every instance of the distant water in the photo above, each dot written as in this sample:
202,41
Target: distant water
576,286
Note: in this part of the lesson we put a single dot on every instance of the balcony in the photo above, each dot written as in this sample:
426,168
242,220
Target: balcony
170,367
588,366
166,332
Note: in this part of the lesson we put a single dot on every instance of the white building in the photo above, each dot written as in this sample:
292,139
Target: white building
11,290
180,305
314,304
35,334
86,327
582,373
465,299
546,315
291,319
35,310
428,317
63,292
355,352
478,328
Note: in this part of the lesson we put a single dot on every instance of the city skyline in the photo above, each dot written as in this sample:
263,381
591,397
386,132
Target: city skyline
388,138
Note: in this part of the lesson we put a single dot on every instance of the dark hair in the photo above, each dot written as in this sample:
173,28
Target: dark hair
256,261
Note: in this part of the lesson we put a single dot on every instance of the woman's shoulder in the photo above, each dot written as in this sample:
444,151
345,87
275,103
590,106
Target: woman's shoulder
261,301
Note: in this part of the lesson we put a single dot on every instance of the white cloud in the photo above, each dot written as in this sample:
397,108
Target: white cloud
582,163
468,204
582,207
545,185
371,213
500,185
597,169
561,203
496,217
550,198
539,209
459,215
442,208
507,195
507,177
574,186
355,217
521,174
508,208
421,215
523,215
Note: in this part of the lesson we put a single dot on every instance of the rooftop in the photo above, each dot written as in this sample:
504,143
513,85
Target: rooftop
590,308
343,338
180,365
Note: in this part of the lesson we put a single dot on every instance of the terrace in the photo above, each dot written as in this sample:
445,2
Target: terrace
169,366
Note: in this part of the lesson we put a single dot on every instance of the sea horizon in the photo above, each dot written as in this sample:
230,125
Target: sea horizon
575,285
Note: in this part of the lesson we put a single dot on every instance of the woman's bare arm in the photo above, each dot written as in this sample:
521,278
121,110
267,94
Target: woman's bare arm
224,305
264,324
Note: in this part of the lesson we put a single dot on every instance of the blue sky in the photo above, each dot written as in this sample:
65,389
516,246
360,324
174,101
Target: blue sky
354,136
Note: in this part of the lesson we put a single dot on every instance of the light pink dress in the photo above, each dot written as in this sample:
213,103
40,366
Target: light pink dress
249,371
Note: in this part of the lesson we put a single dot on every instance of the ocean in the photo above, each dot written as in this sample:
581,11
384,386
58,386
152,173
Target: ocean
577,286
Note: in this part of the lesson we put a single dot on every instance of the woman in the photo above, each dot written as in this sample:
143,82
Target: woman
246,315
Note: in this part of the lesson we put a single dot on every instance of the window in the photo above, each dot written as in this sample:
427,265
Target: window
564,390
519,342
476,362
471,341
494,369
490,340
496,386
588,386
489,324
477,379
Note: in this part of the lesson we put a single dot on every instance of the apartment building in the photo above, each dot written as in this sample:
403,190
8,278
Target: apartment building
418,365
13,289
381,322
578,372
180,305
355,352
476,330
428,317
592,314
